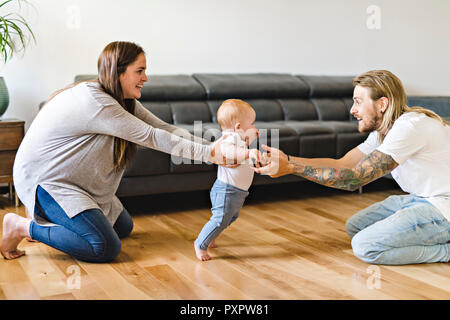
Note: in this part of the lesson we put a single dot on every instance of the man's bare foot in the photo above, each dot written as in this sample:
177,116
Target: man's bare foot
202,255
212,244
15,228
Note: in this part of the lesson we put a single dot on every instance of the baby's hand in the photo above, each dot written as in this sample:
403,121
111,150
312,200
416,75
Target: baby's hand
256,157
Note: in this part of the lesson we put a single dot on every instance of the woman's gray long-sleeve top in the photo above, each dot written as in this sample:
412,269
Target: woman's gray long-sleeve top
68,150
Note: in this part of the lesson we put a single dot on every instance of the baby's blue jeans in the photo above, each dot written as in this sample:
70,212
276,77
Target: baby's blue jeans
88,236
227,201
403,229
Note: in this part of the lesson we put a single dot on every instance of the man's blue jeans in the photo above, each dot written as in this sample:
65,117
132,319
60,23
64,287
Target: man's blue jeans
227,201
88,236
400,230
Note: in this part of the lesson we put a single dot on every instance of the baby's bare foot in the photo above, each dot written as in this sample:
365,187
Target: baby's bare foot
212,244
15,228
202,255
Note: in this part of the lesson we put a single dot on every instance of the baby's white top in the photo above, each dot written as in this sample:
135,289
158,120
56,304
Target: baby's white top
242,176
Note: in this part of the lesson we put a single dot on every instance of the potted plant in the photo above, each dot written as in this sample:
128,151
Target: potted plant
14,38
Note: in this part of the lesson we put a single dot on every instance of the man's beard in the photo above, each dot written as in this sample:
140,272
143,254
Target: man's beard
372,125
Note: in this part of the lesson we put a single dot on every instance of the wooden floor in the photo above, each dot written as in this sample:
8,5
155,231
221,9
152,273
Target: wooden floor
288,243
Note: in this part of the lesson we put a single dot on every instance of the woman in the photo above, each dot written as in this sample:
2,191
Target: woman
73,156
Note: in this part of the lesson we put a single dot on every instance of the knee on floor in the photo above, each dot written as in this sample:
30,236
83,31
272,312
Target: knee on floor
350,228
106,250
365,250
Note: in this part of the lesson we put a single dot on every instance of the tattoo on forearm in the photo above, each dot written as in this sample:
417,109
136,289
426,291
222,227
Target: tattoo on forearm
372,167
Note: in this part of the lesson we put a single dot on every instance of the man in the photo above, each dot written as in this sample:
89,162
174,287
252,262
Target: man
413,144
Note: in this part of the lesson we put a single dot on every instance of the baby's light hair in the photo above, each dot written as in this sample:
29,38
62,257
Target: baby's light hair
231,111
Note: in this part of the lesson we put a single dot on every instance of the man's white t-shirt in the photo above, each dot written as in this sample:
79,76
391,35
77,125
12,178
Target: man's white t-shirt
241,176
421,147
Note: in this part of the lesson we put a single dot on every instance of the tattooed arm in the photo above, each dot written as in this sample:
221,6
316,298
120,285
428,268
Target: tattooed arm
348,173
370,168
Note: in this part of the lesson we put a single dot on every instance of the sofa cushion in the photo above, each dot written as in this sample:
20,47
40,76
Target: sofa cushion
298,109
256,86
317,146
171,88
339,126
331,109
280,127
266,110
213,106
160,109
345,135
186,112
184,165
328,86
137,186
315,139
308,127
164,87
347,141
148,162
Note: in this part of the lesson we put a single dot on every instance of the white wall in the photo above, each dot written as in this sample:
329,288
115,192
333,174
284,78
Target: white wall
185,36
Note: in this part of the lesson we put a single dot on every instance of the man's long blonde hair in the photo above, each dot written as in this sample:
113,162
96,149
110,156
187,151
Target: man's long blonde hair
383,83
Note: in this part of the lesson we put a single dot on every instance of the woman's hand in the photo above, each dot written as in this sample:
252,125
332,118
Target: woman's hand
277,163
218,157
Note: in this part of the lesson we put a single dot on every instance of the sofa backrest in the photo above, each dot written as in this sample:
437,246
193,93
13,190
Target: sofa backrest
183,99
438,104
331,96
261,90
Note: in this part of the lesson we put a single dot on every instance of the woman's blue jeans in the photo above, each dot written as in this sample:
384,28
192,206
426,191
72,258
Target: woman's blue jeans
400,230
88,236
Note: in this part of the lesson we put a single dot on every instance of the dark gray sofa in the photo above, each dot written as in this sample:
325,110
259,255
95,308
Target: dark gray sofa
309,113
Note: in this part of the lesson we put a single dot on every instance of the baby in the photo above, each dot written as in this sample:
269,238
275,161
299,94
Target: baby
236,119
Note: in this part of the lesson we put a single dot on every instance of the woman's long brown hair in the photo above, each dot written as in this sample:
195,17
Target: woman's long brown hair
113,61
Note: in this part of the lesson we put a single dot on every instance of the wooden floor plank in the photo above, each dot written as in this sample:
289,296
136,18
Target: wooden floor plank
175,281
44,277
141,279
291,285
423,275
112,282
84,288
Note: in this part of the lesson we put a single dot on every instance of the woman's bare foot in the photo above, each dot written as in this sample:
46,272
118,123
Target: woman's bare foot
202,255
15,228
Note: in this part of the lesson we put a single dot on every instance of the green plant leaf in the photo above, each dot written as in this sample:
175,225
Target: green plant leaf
14,28
5,2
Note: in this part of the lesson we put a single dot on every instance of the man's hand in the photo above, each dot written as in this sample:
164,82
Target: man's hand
277,163
256,157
